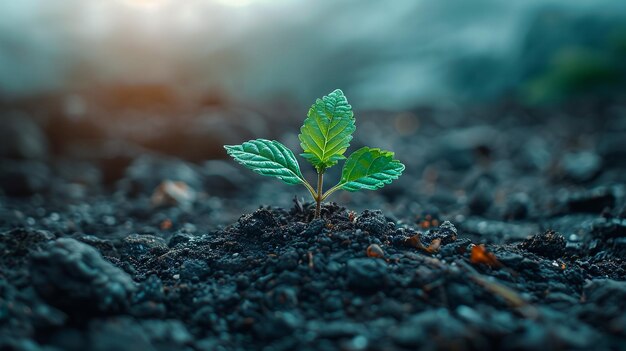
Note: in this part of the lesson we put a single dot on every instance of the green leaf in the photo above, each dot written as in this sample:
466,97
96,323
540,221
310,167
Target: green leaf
369,168
327,130
268,158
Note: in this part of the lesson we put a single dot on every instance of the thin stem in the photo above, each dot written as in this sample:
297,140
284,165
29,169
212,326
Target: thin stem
318,195
331,190
309,187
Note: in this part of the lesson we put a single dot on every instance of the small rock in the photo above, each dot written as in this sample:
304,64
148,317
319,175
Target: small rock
148,171
74,277
375,251
172,193
581,166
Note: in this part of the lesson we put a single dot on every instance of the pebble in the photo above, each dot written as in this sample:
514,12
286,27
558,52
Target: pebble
74,277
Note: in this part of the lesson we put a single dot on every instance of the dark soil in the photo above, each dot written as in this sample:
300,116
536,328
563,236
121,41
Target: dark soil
507,232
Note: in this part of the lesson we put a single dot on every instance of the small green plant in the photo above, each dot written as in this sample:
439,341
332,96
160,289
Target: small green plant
324,137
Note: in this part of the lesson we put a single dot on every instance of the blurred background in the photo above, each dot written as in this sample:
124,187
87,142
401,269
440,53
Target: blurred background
123,94
383,56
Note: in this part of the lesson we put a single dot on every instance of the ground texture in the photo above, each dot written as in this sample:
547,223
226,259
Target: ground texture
506,232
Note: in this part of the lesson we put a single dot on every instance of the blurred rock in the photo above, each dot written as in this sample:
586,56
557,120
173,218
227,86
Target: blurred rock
75,278
170,193
21,138
593,200
581,166
148,171
24,178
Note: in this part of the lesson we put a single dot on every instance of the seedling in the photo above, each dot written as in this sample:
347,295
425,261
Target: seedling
324,137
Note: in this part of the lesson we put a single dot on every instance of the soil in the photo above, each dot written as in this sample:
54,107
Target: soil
506,232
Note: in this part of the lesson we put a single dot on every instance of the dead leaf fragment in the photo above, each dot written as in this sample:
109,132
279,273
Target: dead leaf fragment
481,255
166,224
416,242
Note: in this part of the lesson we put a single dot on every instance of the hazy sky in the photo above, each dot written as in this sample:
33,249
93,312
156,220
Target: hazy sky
400,51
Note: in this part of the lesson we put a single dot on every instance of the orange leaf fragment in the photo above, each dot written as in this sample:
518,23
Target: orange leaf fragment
434,246
481,255
416,242
166,224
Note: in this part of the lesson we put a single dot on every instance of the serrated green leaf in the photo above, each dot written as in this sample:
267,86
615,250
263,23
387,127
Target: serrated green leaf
268,158
369,168
327,130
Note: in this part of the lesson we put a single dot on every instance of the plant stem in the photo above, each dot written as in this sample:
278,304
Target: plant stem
318,196
309,188
332,190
